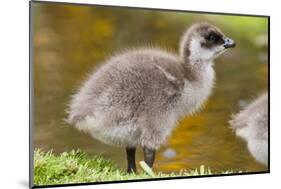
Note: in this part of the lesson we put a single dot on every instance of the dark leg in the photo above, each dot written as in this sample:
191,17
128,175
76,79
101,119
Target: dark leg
131,151
149,156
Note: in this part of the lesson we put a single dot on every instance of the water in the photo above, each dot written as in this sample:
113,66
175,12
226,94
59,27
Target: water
71,41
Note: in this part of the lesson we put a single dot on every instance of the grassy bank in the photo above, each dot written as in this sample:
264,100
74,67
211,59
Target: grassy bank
77,167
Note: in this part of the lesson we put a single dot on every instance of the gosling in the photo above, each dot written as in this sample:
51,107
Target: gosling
136,98
251,124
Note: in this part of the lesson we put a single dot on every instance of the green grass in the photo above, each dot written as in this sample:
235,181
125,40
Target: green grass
77,167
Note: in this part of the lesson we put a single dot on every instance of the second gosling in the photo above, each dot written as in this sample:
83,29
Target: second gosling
251,124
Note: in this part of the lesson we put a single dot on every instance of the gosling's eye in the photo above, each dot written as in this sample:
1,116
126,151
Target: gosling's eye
212,37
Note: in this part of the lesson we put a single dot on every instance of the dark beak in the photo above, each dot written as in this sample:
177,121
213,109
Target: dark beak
228,43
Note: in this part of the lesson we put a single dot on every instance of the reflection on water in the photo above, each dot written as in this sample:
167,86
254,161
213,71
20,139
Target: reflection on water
71,41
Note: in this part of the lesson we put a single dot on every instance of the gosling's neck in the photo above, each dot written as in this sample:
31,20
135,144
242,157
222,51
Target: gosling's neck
197,70
196,61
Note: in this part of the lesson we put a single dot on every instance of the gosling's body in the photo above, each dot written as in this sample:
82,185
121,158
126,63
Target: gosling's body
136,98
251,124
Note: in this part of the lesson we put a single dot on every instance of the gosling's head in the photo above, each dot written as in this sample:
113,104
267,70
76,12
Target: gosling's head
203,43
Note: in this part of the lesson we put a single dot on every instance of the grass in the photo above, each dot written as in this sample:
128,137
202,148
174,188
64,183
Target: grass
77,167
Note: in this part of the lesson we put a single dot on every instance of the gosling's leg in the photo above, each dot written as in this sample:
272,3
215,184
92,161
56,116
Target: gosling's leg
131,151
149,156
